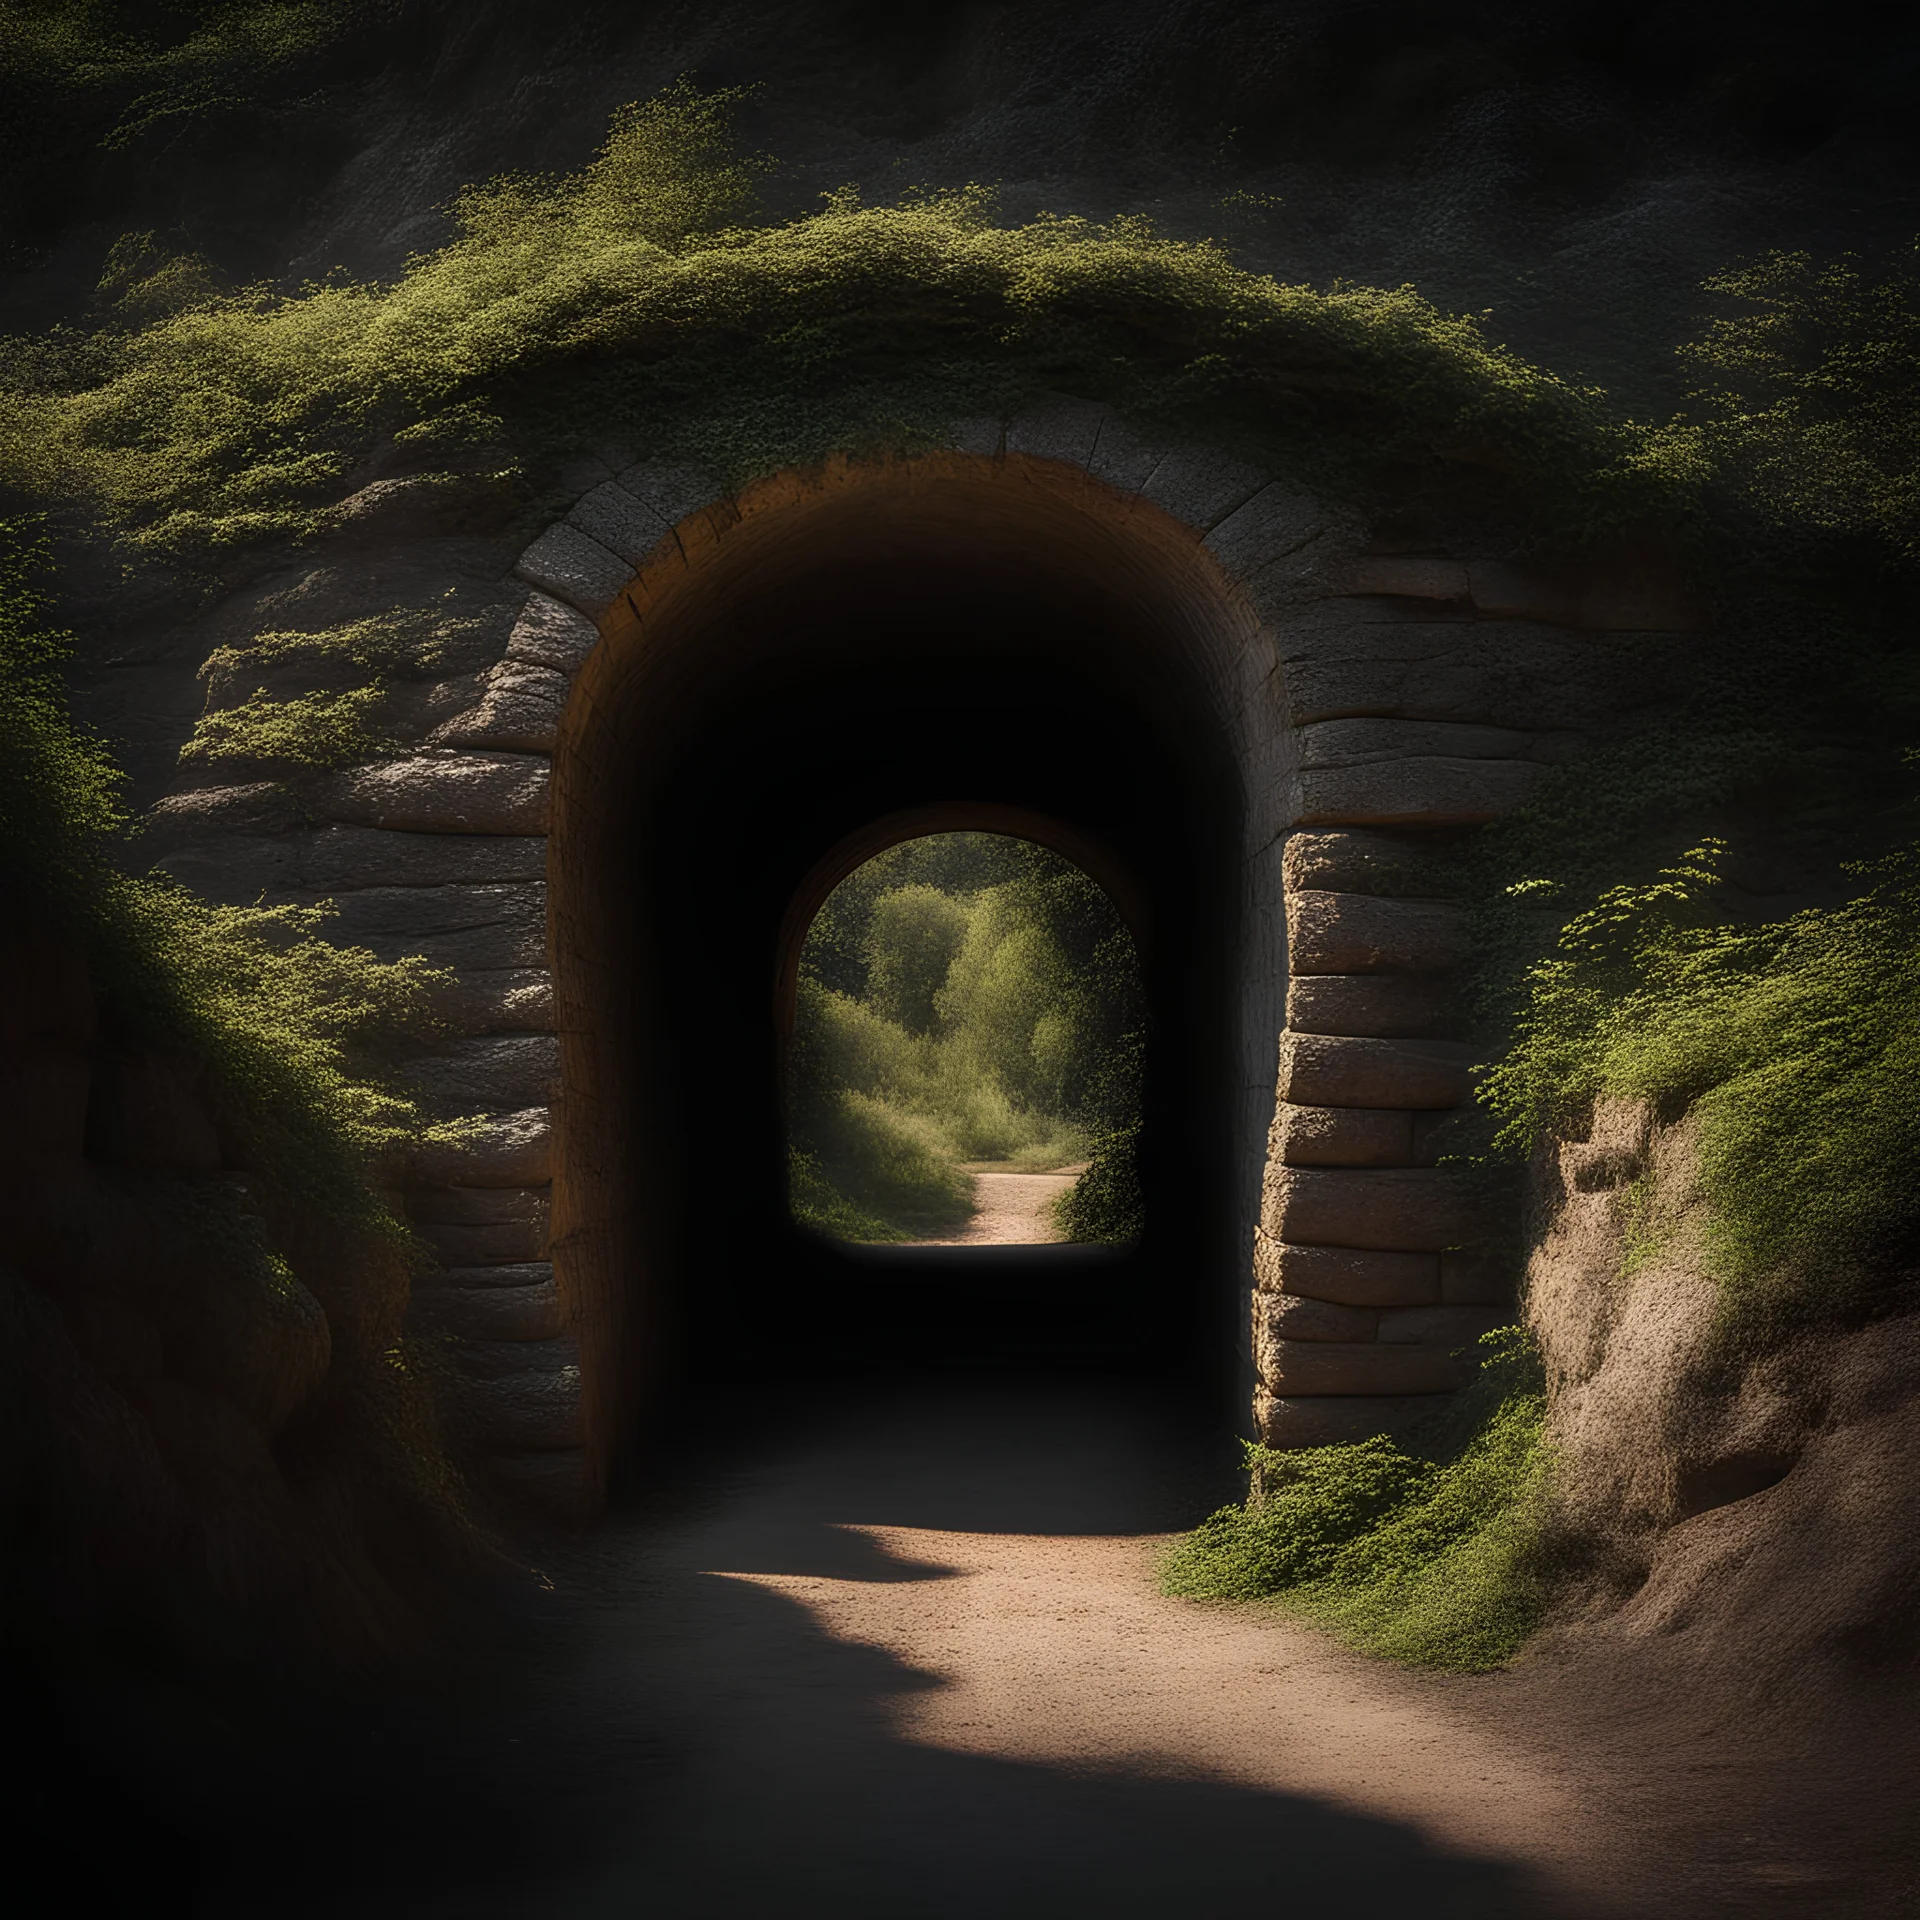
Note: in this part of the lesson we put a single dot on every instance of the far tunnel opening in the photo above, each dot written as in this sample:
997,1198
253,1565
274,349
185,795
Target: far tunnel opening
964,1046
914,655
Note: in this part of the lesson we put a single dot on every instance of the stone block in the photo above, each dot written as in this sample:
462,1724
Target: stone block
258,808
982,435
1383,1006
1416,576
1622,600
1383,1209
1121,456
1448,1328
1355,933
1313,1367
489,928
346,859
1397,866
1415,792
513,1394
484,1243
1473,1279
502,1073
518,711
1339,1070
551,634
621,523
1341,1137
146,1109
517,1302
1508,675
444,792
1287,1316
556,1483
1362,741
672,488
501,1150
1277,521
574,567
1201,487
1349,1276
504,1001
1058,428
1335,1421
478,1206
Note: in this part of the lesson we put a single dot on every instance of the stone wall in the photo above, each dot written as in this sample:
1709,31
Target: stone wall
1375,702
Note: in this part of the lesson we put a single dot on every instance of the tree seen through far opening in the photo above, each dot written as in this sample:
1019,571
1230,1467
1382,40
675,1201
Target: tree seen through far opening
969,1005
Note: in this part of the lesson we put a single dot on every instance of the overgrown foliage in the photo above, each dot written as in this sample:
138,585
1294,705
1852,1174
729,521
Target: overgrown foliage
1795,1043
629,303
1435,1554
289,1028
989,1010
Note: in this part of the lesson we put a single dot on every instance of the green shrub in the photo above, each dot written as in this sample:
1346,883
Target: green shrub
1437,1557
1795,1044
293,1032
310,732
627,299
886,1168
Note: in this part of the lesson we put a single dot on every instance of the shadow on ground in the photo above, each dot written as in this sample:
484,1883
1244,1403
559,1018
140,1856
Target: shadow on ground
661,1736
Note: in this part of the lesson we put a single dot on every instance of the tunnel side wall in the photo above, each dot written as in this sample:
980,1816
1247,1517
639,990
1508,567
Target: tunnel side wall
1374,701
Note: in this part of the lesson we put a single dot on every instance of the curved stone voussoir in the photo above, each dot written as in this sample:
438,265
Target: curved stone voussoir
1305,1136
1407,1209
519,1393
1350,1276
1201,487
576,568
621,522
672,489
1354,933
1338,1070
551,634
1059,428
1275,522
441,792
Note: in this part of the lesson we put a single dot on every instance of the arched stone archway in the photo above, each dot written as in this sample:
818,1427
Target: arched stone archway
1304,704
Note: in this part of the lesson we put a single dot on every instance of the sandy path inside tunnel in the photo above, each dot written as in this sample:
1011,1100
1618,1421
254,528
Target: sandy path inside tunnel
908,1658
1010,1209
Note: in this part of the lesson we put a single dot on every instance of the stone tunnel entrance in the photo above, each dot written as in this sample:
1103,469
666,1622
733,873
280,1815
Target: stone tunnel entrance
957,640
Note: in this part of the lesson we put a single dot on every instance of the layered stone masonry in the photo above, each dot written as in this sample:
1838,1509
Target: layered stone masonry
1386,698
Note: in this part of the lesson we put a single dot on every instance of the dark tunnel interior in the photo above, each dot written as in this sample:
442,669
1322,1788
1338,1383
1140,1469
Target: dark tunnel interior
875,677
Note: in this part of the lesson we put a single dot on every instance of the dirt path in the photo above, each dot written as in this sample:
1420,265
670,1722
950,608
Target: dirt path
908,1659
1010,1209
